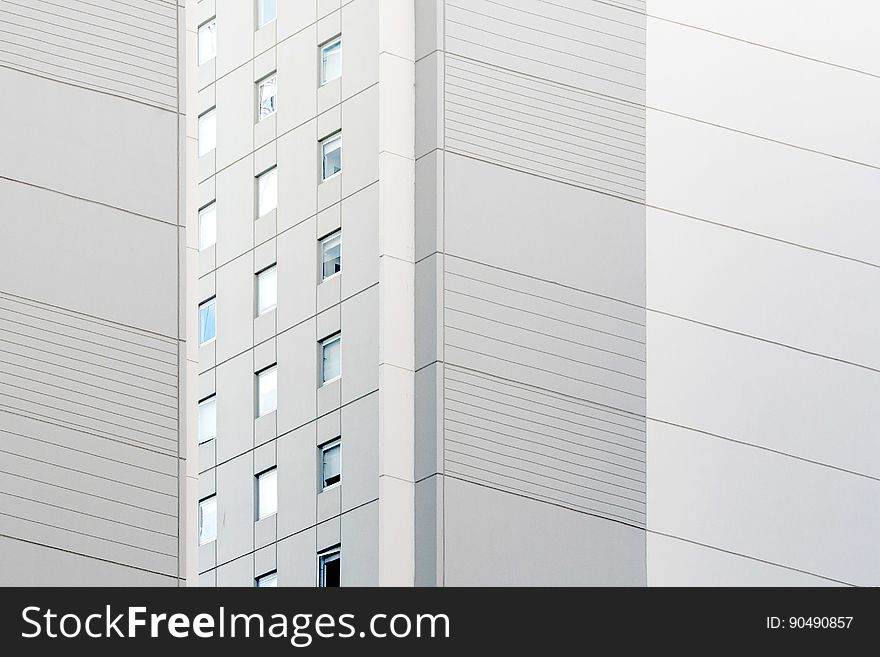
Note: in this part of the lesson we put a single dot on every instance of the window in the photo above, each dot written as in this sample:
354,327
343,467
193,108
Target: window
208,520
207,419
328,568
207,226
207,321
267,11
331,359
331,464
331,156
331,60
267,289
267,493
269,580
207,40
267,192
207,131
267,391
331,255
267,94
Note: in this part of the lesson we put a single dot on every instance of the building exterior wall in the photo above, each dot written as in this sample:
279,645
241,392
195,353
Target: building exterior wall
92,464
607,296
369,303
762,268
530,340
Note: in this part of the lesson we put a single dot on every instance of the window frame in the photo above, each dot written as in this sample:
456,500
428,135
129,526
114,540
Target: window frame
273,76
202,503
273,574
213,112
264,372
211,301
328,556
212,206
258,478
210,21
263,23
273,268
210,399
273,171
322,248
323,143
322,345
336,443
322,49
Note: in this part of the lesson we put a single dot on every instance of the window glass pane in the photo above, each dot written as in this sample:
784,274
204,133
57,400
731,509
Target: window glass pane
268,581
207,520
331,255
267,494
331,359
207,321
267,92
329,569
267,11
331,61
207,41
331,462
332,156
267,192
267,290
267,384
207,419
208,226
207,132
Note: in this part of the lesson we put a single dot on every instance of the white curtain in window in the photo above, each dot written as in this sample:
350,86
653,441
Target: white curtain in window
207,132
268,90
207,520
207,226
207,41
267,391
267,290
331,61
267,192
207,419
267,493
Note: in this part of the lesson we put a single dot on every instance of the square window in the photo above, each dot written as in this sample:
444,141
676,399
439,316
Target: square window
331,61
208,520
267,192
267,493
331,156
208,321
331,255
331,359
331,464
329,568
269,580
207,40
207,226
207,131
267,95
267,391
267,11
267,289
207,419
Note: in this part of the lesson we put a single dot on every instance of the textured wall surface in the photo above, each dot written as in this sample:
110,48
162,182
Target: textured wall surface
530,333
126,48
91,333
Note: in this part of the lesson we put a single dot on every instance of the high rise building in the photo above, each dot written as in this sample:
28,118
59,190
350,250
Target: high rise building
92,334
531,292
433,292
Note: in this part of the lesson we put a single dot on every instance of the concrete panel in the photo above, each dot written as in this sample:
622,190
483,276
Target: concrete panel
758,393
492,539
786,511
